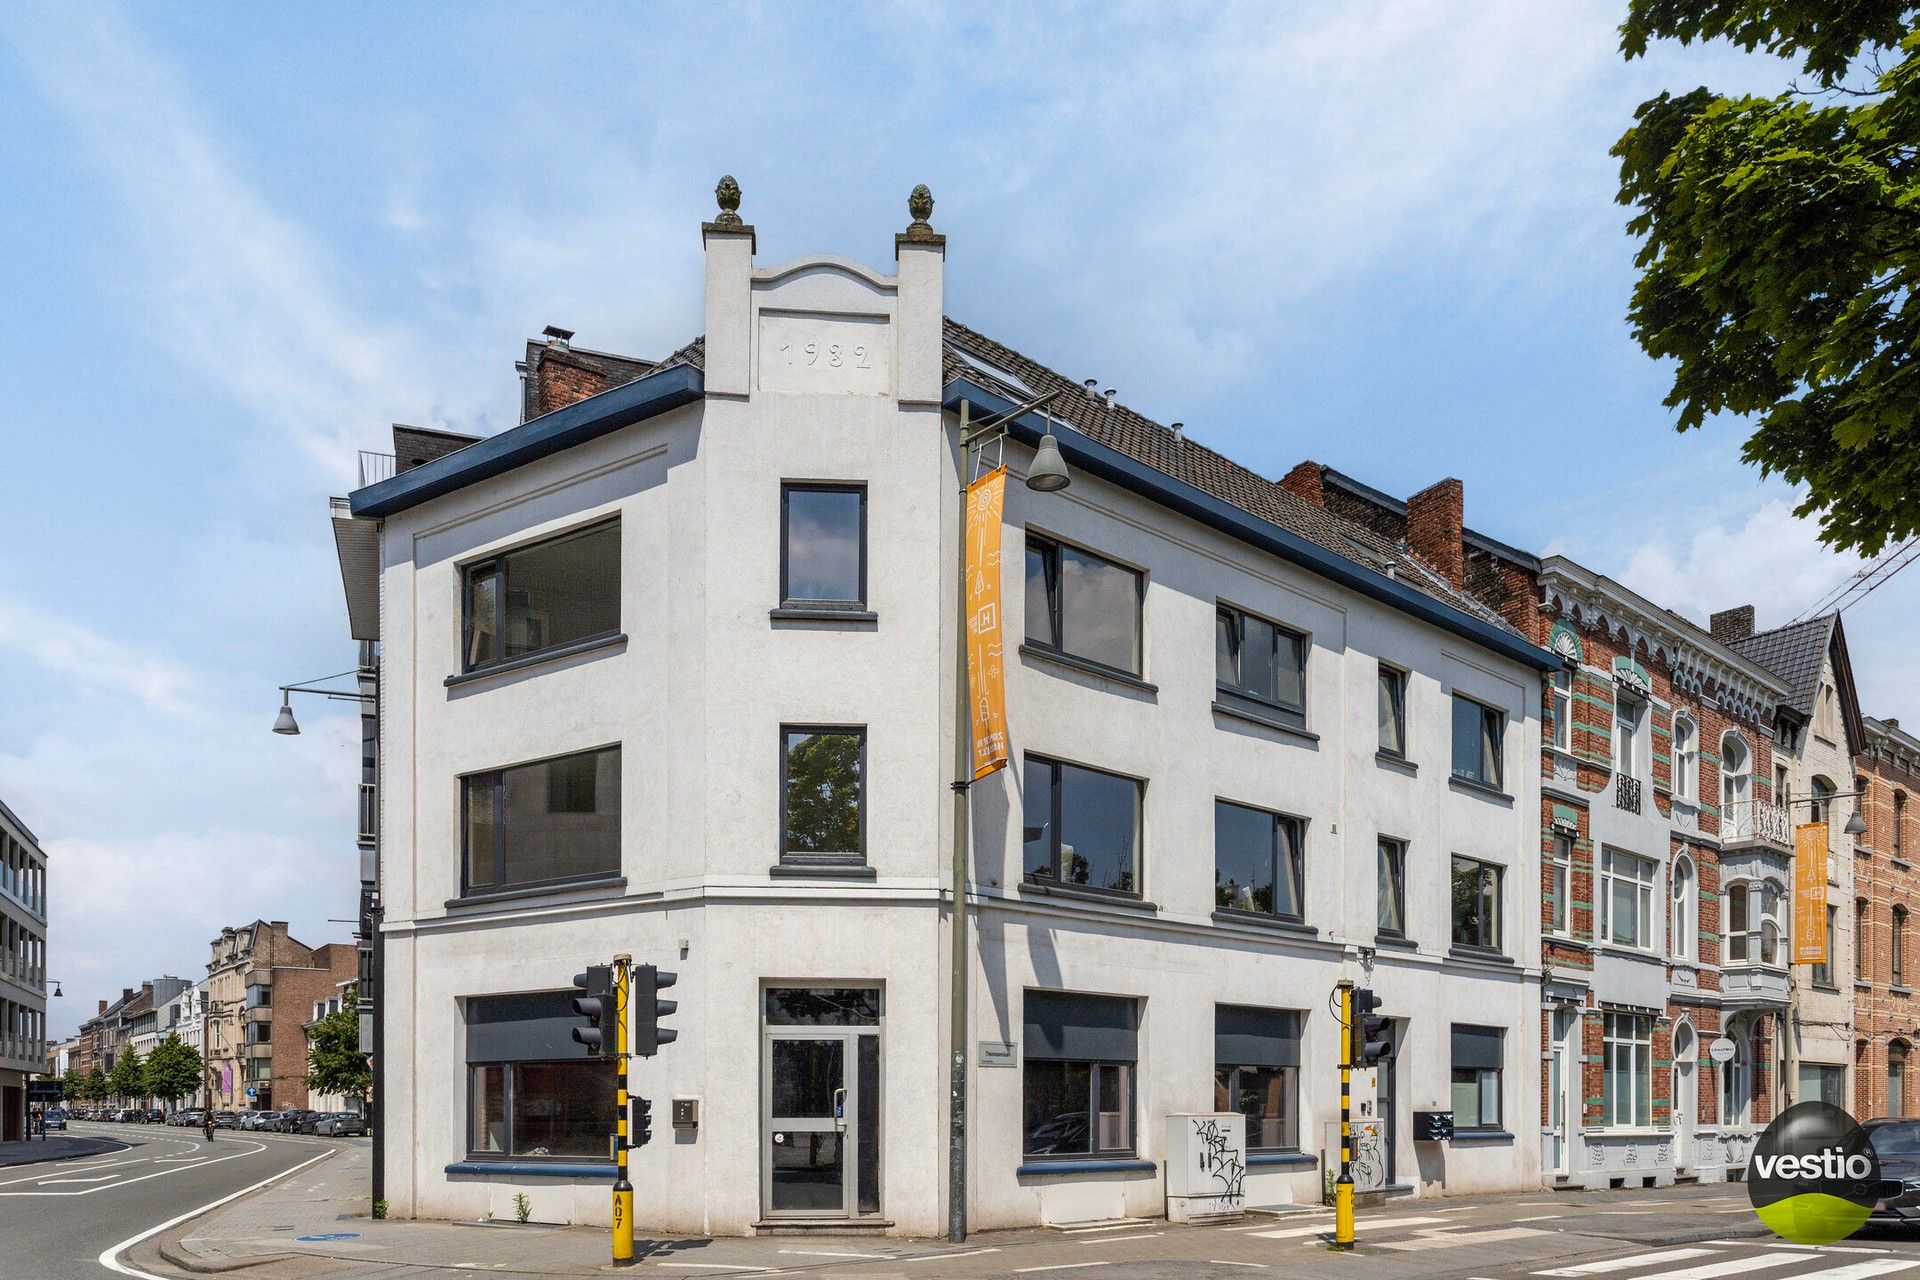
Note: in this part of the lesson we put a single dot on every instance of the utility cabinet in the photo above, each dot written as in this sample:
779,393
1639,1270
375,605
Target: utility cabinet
1206,1166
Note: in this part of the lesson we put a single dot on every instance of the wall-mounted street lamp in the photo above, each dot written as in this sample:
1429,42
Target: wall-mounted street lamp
285,723
1854,826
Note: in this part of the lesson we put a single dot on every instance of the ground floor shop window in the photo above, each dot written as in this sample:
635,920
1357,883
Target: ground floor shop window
1628,1071
1256,1054
1476,1077
533,1092
1077,1070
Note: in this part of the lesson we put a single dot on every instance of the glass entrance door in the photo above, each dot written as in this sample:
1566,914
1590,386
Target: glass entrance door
820,1103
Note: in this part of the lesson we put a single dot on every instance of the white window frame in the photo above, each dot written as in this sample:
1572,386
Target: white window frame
1626,1065
1683,897
1560,890
1629,713
1686,758
1640,874
1560,692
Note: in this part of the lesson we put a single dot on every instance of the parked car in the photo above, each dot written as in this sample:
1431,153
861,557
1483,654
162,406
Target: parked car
1896,1143
253,1121
293,1120
156,1116
340,1124
226,1120
127,1115
55,1118
305,1121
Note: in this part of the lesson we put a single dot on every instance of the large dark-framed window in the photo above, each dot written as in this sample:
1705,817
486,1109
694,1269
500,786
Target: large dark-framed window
1260,663
532,1093
1476,1077
1081,826
823,545
1476,904
823,794
1082,604
1077,1075
544,823
1256,1071
552,594
1258,863
1478,733
1391,700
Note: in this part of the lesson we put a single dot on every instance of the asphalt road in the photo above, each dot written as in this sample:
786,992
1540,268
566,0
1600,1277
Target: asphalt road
56,1219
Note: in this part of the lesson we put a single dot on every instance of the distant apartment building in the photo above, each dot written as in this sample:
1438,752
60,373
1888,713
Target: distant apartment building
23,969
1818,731
1886,1013
668,670
261,985
1664,857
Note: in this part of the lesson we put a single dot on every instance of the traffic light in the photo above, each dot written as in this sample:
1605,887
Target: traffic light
648,1034
1371,1044
642,1121
598,1005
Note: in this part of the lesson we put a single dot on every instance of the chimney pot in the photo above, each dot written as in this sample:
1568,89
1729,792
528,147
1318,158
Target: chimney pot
1179,432
1732,625
1111,393
1435,526
558,337
1093,388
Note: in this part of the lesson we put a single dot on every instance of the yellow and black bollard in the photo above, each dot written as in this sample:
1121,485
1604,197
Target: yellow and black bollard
622,1188
1343,1186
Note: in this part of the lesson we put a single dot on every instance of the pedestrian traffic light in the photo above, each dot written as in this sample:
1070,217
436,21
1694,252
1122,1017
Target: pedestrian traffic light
598,1005
642,1122
1371,1044
648,1034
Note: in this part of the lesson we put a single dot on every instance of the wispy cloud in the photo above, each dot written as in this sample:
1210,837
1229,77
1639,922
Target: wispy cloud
89,661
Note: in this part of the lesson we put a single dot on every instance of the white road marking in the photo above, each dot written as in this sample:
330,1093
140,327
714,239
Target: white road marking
127,1182
1224,1262
714,1266
1864,1270
822,1253
1630,1262
1824,1248
110,1256
1543,1217
1733,1266
1144,1235
965,1253
1102,1226
1061,1266
1424,1240
1293,1233
58,1182
44,1172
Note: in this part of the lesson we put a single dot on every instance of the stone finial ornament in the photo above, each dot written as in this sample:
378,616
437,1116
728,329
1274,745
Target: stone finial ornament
920,231
728,196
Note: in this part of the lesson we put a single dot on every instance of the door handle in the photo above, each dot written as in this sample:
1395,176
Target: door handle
840,1109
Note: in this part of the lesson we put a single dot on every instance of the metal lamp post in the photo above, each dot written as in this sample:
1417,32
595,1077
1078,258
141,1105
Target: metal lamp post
1046,474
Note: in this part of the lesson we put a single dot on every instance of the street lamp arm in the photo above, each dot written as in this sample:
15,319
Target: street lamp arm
999,421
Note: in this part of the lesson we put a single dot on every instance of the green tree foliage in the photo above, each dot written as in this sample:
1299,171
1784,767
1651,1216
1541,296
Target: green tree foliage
173,1070
129,1077
96,1085
334,1061
72,1085
1781,242
823,793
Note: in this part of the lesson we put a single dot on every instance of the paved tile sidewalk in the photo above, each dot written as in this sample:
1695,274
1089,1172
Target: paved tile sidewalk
57,1146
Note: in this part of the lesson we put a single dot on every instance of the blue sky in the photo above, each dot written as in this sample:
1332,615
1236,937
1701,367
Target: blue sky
241,242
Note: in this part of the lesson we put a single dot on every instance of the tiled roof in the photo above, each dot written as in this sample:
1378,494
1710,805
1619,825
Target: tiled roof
974,356
1794,653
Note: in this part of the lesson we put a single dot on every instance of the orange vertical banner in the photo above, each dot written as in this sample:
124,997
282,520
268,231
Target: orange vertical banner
1810,893
986,677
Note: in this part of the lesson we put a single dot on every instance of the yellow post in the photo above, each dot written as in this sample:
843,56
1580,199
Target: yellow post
1343,1187
622,1189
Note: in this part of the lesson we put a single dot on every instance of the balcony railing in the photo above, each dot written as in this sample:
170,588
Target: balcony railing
1754,820
1626,793
375,467
369,811
23,1049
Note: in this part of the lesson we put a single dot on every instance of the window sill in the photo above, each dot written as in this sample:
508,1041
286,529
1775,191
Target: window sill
591,890
1087,666
1088,893
796,612
1478,788
1481,1137
1262,920
822,871
1568,940
1399,762
1861,984
536,1168
1281,1160
1251,716
1827,987
1898,990
1396,941
1900,862
1069,1168
1480,955
591,645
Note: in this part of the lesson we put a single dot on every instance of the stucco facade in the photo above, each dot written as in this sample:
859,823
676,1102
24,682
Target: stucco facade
708,667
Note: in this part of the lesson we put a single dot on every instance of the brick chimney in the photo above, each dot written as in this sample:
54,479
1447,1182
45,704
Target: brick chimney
102,1010
1434,528
1304,481
561,379
1730,625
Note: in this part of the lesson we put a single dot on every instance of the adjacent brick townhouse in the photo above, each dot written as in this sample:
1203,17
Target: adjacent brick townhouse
1886,1013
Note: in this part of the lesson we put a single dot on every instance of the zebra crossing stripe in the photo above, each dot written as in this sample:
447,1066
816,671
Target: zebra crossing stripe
1733,1266
1363,1224
1865,1270
1627,1263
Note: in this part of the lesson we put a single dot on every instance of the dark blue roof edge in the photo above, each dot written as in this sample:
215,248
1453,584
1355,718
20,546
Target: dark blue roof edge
1129,473
577,423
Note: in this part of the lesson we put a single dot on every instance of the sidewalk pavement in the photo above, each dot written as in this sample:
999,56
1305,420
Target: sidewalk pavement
55,1147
